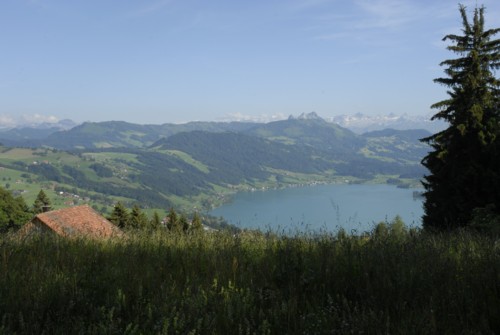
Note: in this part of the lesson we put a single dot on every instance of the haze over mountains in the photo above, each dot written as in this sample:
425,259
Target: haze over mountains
358,123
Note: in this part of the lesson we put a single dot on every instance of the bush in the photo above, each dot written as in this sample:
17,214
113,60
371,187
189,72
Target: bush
486,220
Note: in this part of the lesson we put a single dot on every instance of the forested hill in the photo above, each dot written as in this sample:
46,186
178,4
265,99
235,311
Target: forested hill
411,135
119,134
313,131
403,146
309,130
235,157
326,139
109,134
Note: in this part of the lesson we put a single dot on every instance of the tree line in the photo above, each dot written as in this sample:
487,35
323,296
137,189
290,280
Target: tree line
136,219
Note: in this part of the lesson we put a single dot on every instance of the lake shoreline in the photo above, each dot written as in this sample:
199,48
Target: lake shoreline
318,206
226,196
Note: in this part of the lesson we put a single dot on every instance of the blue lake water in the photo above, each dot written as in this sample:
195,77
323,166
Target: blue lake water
322,207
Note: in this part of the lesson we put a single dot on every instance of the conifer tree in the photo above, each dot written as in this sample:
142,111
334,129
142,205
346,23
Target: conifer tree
137,218
42,201
119,216
196,224
155,222
464,161
172,219
183,223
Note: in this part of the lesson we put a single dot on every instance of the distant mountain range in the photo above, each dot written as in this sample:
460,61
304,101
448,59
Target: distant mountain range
358,123
305,130
28,131
9,124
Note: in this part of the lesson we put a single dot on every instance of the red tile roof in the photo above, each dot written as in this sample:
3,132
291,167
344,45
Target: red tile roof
77,221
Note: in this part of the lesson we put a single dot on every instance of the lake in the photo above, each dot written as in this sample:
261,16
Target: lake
322,207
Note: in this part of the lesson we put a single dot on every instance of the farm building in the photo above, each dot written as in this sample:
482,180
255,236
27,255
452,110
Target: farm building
77,221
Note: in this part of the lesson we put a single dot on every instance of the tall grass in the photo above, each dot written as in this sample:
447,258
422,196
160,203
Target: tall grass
252,283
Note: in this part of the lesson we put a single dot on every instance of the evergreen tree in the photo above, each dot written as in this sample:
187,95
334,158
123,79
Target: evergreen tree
119,216
196,224
183,223
13,211
172,219
155,222
137,218
42,201
464,161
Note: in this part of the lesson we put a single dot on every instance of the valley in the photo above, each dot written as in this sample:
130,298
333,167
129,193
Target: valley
199,165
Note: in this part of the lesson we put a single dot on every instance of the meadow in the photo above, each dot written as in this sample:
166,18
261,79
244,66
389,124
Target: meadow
390,281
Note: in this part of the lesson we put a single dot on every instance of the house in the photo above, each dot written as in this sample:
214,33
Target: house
76,221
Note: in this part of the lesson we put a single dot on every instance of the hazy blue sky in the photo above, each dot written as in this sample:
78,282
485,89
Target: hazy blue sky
158,61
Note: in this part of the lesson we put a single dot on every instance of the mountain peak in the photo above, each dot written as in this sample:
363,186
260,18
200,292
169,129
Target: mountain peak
309,116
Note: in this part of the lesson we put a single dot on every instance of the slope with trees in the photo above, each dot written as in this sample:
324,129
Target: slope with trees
312,131
396,145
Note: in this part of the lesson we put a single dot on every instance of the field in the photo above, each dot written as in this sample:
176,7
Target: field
391,281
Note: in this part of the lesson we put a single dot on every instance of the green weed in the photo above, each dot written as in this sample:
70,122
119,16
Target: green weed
390,281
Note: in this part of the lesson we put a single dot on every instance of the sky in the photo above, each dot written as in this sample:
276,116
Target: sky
174,61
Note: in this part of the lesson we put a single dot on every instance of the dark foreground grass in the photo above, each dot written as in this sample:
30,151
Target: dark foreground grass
252,284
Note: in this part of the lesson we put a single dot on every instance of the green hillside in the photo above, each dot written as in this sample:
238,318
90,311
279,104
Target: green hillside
119,134
396,145
71,178
314,132
235,157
